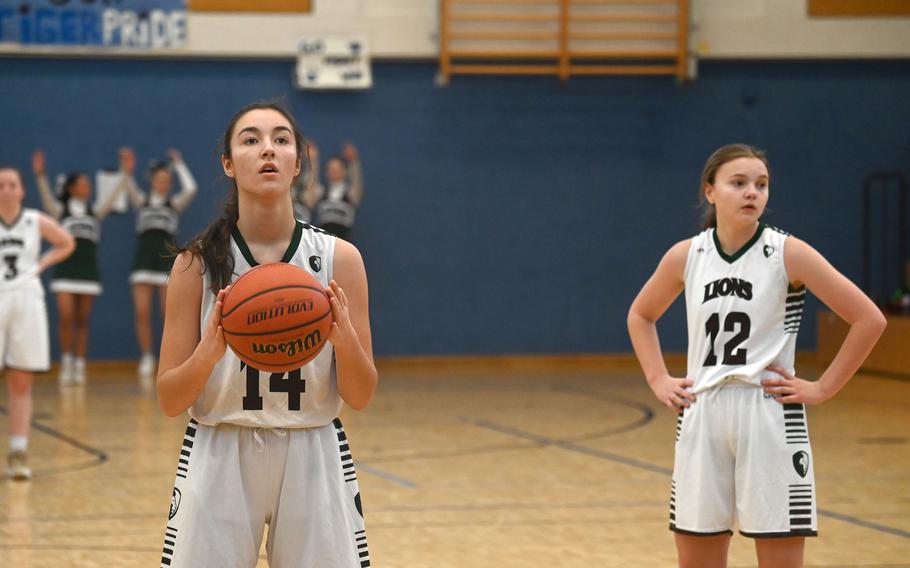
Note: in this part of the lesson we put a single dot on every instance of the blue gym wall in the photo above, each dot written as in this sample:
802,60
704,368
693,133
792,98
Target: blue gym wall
502,215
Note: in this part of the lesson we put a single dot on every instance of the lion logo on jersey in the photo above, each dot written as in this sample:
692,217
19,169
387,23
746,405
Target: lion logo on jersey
801,463
769,250
175,503
316,263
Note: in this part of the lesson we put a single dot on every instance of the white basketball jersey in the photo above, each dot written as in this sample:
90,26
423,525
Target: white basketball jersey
20,251
742,313
239,394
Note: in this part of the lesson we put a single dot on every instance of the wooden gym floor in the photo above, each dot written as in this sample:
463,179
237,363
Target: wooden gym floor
542,463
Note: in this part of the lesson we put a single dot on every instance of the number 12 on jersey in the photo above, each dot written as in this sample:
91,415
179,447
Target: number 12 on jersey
732,355
290,383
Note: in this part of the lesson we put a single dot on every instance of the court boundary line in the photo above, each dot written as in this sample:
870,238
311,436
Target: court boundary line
572,447
99,456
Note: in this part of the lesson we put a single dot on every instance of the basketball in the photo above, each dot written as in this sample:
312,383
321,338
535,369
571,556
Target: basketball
276,317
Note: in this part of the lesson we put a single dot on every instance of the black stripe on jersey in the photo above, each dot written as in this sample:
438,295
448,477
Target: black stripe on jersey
309,227
363,552
775,229
170,539
188,438
791,289
793,311
795,428
344,451
785,534
679,419
672,505
801,507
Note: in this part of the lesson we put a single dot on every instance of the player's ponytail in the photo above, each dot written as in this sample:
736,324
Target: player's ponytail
213,245
720,157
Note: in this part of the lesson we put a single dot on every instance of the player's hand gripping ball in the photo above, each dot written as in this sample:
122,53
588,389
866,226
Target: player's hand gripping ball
276,317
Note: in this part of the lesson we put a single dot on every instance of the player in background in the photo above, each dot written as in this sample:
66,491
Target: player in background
337,208
742,449
263,448
76,281
307,190
24,344
157,222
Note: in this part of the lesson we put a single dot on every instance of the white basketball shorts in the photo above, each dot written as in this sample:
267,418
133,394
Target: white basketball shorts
233,480
24,343
743,458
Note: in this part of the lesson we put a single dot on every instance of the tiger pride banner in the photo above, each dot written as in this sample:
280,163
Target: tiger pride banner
142,24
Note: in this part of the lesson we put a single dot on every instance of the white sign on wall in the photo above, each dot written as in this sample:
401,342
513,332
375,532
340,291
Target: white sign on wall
333,63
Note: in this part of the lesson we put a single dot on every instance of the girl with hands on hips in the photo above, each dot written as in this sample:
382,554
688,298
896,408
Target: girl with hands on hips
743,458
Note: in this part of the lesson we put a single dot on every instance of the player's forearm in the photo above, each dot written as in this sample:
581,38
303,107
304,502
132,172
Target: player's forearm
646,344
187,187
357,376
50,204
55,255
179,387
860,340
137,198
356,176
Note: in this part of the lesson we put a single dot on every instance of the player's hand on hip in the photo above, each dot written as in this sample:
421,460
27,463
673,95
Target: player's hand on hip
791,389
212,345
342,330
672,392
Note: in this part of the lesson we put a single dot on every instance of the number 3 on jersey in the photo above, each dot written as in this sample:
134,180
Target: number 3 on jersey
11,271
732,355
293,385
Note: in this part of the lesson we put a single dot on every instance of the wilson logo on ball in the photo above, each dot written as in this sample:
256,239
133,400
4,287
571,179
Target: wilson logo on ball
276,317
290,348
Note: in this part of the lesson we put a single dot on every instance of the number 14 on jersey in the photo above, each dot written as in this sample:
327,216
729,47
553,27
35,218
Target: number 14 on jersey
289,382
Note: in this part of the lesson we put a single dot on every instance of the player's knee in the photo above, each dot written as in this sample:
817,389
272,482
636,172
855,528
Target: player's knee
20,386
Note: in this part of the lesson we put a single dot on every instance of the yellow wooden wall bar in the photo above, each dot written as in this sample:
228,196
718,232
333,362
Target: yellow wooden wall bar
564,61
859,7
559,34
284,6
445,60
682,41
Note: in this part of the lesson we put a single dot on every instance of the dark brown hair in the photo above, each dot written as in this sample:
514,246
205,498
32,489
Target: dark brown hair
720,157
16,171
213,245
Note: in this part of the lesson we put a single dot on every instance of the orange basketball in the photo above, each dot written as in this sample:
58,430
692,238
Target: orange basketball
276,317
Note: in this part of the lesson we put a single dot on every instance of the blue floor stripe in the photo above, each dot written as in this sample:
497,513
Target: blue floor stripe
386,475
572,447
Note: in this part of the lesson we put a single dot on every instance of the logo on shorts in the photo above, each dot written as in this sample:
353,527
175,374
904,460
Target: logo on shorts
175,503
315,263
358,505
769,250
801,463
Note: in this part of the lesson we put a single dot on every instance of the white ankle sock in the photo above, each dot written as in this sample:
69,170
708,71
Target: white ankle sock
18,443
